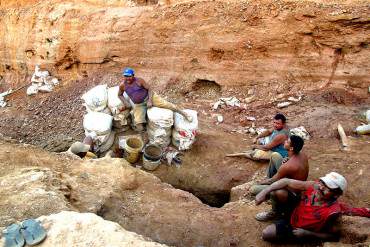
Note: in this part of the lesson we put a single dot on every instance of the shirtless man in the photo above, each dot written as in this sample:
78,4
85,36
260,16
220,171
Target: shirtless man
296,167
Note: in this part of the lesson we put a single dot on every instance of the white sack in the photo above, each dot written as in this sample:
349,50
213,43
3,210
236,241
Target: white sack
183,140
184,133
160,117
182,124
114,103
33,89
96,98
98,122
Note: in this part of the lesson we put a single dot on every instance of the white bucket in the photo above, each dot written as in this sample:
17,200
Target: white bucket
150,165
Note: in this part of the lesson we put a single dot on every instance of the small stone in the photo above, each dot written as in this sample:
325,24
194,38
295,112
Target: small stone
284,104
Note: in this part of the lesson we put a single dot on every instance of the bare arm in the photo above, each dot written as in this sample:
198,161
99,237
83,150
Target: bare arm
263,134
302,233
281,184
121,90
331,231
285,171
279,139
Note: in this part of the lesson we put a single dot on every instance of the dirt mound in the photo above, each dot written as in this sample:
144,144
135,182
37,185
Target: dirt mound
340,96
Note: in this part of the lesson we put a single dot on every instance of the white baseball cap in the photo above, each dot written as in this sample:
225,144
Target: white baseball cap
79,147
334,180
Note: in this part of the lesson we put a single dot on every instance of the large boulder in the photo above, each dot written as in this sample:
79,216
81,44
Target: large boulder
69,228
29,193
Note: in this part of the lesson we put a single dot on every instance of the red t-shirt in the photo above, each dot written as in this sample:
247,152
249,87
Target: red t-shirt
313,212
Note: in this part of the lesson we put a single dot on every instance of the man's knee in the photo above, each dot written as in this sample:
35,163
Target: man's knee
276,159
269,233
280,195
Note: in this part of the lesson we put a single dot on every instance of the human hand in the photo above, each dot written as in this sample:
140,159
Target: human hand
121,108
93,135
263,182
299,232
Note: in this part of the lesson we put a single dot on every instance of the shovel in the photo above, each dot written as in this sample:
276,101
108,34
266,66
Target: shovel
246,154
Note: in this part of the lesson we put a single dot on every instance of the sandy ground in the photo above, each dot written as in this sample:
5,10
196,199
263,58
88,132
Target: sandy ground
53,121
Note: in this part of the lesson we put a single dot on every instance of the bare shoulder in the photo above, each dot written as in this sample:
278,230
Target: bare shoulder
121,86
140,81
303,156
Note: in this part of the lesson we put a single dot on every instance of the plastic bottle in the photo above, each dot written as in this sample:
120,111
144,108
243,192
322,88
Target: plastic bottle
367,115
363,129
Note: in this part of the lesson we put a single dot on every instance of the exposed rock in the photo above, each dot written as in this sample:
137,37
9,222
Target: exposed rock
69,228
355,229
137,200
30,193
285,41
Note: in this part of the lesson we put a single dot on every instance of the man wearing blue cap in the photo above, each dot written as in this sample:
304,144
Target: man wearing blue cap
141,96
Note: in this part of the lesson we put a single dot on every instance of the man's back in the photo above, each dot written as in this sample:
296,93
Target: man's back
295,168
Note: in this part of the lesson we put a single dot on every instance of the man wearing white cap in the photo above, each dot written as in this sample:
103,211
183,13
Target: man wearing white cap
316,211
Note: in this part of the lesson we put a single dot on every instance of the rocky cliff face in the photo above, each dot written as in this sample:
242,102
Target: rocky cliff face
229,42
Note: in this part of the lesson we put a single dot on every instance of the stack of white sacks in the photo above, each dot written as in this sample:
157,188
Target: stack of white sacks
159,127
41,82
104,112
103,107
121,119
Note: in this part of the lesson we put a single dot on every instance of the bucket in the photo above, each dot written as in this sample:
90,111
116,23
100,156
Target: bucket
133,146
152,157
152,152
150,165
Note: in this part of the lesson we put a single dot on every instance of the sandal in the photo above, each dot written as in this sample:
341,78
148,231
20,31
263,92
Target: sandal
33,232
13,236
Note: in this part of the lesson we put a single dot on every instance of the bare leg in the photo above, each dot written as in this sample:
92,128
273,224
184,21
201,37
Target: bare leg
269,233
278,198
89,141
139,128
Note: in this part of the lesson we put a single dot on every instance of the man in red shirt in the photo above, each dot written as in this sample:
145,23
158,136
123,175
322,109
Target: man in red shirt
316,211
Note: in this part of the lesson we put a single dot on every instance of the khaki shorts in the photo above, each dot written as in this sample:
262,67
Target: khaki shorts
139,110
261,155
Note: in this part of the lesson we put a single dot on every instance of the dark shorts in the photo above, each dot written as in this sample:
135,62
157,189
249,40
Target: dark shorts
284,230
287,208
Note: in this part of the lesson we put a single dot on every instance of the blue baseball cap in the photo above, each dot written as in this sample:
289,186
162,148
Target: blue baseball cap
128,72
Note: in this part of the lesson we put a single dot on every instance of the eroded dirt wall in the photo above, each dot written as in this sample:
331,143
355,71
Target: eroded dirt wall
232,43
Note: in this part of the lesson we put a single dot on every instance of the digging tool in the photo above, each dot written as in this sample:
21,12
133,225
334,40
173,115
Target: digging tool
343,137
243,154
19,88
